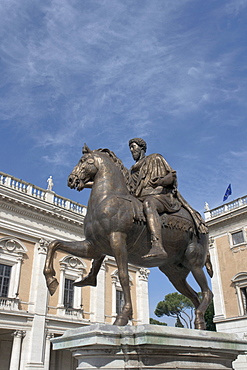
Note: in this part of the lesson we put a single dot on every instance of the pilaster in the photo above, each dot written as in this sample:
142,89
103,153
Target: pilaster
97,297
49,335
219,305
38,306
16,349
142,296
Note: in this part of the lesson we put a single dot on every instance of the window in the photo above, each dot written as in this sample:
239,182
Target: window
70,296
12,253
238,237
243,292
119,301
68,293
240,283
5,271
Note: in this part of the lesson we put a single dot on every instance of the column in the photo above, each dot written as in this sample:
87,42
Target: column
16,349
99,298
61,285
38,289
142,296
38,306
219,305
114,280
15,276
47,350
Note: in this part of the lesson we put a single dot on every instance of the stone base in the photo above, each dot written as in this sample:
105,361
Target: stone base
149,347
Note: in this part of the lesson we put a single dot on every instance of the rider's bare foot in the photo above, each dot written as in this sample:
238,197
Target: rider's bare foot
156,251
86,281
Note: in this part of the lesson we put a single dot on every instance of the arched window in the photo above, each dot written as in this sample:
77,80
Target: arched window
240,283
70,296
11,257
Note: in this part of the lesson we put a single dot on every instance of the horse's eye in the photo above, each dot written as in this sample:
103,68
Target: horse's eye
90,161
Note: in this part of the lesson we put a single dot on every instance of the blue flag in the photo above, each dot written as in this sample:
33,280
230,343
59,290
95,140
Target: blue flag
228,192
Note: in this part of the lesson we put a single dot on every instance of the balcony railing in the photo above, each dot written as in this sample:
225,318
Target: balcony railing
39,193
76,313
9,304
228,207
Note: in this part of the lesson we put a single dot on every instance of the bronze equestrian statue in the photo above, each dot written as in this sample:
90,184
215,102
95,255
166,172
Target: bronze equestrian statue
137,216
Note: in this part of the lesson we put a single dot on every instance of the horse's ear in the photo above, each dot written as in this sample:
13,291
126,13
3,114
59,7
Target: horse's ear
86,149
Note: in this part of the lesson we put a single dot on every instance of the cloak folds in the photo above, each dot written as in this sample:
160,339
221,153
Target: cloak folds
154,166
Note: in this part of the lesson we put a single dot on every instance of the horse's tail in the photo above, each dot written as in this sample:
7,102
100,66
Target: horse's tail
209,266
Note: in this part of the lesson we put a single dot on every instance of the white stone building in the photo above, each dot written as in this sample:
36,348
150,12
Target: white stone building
228,249
29,317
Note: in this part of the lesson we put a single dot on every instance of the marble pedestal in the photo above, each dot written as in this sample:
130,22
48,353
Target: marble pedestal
149,347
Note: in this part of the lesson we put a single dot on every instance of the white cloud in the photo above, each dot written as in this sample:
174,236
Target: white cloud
235,6
107,70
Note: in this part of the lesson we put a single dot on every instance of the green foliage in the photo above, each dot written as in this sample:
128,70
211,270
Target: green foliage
178,306
173,304
179,323
156,322
181,308
209,316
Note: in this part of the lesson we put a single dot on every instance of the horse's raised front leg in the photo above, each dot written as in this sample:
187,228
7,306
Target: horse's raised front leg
79,249
119,248
49,271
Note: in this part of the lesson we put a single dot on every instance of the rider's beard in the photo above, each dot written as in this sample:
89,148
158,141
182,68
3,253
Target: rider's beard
136,155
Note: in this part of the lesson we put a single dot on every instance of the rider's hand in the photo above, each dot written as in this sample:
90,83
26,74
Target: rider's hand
162,181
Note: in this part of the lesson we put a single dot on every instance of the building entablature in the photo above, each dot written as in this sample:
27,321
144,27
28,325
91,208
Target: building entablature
58,324
19,318
226,211
39,200
235,319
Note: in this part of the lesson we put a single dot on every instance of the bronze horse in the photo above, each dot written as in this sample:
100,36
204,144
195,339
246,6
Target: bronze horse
114,225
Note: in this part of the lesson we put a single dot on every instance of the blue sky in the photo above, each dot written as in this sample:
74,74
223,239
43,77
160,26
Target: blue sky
104,71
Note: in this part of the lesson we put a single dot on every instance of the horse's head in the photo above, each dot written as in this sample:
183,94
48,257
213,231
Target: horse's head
84,171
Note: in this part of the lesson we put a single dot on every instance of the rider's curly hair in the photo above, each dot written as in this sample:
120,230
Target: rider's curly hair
142,143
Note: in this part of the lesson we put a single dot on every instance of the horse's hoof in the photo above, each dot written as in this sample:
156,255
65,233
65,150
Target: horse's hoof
52,286
86,281
121,321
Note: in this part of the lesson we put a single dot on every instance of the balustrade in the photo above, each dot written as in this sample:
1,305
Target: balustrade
241,202
39,193
76,313
9,304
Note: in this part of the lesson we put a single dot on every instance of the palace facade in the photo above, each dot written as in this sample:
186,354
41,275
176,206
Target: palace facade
30,217
228,249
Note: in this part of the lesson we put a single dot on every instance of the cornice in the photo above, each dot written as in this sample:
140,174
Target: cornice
55,217
226,218
26,201
34,234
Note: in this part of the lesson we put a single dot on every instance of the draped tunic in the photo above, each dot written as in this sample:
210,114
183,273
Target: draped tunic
155,166
148,168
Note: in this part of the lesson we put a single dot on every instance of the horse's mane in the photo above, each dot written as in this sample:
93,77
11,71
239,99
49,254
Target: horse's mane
119,164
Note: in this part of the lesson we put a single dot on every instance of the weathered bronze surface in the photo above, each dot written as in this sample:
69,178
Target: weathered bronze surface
137,216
